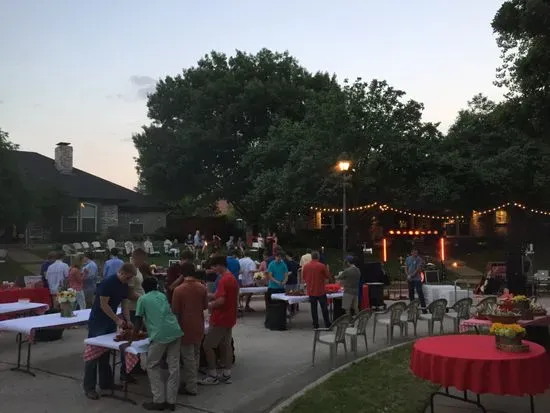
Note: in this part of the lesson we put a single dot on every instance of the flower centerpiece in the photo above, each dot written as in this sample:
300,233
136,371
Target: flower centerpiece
508,337
66,299
502,313
259,278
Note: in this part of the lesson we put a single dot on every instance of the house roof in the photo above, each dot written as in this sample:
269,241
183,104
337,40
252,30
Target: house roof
40,170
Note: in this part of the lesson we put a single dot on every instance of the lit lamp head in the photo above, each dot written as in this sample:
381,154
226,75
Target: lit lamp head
343,166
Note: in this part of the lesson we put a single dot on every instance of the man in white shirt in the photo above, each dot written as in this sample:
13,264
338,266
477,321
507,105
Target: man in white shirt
246,277
56,275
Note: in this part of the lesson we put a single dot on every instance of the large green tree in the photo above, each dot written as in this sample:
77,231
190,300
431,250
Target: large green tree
206,120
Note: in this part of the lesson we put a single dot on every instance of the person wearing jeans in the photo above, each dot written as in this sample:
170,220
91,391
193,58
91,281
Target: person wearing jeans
413,268
112,292
315,275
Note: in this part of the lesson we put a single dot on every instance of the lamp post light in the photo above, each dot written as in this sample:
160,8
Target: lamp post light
343,166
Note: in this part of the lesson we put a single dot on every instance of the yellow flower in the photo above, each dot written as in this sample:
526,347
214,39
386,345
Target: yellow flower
519,298
510,330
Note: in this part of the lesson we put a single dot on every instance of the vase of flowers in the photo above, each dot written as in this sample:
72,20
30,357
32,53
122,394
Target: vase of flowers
508,337
503,314
259,279
66,299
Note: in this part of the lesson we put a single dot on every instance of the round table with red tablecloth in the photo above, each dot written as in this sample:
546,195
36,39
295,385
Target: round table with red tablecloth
472,362
35,295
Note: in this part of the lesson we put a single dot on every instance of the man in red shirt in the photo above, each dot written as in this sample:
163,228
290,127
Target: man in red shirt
315,275
189,301
223,308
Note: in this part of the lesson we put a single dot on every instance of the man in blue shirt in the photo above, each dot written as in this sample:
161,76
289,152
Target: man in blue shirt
278,274
233,263
413,268
113,264
112,292
91,273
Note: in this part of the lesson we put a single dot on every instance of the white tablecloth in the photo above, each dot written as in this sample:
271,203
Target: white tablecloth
435,292
18,307
27,325
294,299
108,341
253,290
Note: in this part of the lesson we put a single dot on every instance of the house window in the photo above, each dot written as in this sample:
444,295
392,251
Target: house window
69,224
501,217
88,218
136,228
84,220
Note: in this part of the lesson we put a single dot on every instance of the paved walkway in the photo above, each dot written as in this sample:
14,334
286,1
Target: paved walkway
270,367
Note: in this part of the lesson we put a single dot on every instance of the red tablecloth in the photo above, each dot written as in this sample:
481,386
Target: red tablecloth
470,362
36,295
365,302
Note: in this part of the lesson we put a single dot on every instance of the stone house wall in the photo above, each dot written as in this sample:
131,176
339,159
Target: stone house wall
151,220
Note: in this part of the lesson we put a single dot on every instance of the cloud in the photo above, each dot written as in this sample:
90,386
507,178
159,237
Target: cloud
143,86
142,80
1,102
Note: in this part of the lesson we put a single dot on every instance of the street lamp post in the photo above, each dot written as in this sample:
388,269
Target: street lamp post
344,166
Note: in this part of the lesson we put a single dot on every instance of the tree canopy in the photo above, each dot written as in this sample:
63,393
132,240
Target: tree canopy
264,133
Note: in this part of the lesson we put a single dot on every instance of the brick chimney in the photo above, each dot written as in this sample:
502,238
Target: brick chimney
64,157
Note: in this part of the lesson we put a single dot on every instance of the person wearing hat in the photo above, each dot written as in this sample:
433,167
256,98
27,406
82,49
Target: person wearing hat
349,280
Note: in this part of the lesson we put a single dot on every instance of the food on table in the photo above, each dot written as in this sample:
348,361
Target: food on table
128,334
295,293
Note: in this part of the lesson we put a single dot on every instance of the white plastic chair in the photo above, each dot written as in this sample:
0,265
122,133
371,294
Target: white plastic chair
167,246
460,311
394,320
129,247
111,244
150,249
85,245
96,245
77,247
359,329
410,315
332,337
437,310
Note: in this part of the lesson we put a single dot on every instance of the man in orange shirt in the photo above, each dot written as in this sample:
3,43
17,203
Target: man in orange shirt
189,301
315,275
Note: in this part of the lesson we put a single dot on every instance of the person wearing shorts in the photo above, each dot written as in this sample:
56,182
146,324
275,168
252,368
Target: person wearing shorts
223,317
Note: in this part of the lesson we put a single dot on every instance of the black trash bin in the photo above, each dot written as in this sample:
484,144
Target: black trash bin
275,315
49,334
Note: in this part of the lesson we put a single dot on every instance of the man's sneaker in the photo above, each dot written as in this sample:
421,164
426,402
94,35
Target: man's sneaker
225,379
209,380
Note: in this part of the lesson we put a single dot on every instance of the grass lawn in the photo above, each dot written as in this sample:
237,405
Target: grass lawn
379,384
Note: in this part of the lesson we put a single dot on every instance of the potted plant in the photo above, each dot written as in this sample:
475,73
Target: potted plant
508,336
259,279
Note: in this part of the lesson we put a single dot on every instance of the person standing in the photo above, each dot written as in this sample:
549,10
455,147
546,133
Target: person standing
248,268
315,276
165,335
76,281
113,264
135,284
223,318
111,292
90,272
56,276
47,262
189,301
277,273
261,244
233,263
349,279
174,276
413,268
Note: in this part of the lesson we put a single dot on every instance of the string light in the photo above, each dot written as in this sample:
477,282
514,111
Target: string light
386,207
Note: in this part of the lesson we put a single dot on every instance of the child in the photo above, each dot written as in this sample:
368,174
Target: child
165,334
